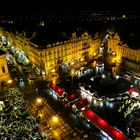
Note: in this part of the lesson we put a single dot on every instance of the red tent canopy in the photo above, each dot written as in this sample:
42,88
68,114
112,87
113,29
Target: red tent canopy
131,90
72,96
103,125
59,91
52,86
82,103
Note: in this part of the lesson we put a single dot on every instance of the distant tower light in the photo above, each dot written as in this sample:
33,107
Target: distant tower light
123,16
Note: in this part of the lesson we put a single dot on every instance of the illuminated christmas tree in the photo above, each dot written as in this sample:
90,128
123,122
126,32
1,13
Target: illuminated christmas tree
15,123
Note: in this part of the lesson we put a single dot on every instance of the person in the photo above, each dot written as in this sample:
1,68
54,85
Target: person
74,134
36,90
59,113
85,136
38,119
41,105
36,113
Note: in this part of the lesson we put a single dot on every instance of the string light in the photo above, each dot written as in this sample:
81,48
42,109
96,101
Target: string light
14,119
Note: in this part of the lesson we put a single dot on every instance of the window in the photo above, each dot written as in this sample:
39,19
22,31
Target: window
50,53
40,54
3,69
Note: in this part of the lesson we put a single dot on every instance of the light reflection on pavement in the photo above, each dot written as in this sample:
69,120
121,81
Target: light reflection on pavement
60,130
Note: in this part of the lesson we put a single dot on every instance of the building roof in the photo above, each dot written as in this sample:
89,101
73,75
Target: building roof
59,91
72,96
82,103
55,23
108,87
2,52
42,39
103,125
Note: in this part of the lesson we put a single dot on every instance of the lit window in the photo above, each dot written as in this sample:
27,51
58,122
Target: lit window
3,69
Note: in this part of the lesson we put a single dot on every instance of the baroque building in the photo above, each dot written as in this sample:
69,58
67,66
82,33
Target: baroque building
130,57
75,51
4,72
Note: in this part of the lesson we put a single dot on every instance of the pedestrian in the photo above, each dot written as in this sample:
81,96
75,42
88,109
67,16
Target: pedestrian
38,119
36,90
41,106
74,134
36,113
59,113
85,136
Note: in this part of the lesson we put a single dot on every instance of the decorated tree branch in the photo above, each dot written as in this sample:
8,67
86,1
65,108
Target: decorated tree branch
15,123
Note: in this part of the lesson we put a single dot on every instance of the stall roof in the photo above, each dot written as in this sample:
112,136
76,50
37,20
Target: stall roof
59,91
133,93
82,103
103,125
72,96
53,86
107,87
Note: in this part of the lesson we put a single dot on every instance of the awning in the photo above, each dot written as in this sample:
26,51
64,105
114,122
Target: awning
72,96
131,90
133,93
52,86
82,103
103,125
59,91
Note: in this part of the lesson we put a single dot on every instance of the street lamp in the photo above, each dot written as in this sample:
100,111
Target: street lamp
54,76
114,53
53,70
40,103
9,81
72,63
72,74
39,100
55,119
43,75
27,61
56,134
40,114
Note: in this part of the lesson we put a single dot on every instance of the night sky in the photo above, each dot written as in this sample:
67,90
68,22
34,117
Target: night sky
129,35
28,6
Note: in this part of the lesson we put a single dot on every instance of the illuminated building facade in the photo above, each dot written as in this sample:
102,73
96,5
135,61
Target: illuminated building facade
4,72
74,52
124,53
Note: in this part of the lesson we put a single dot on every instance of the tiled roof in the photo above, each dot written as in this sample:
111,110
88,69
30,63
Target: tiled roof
45,38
